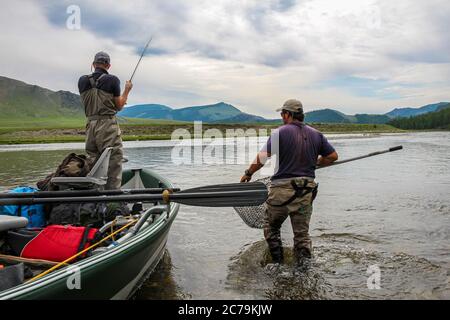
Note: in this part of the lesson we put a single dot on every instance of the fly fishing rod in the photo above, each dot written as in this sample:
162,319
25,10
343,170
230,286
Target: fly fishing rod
362,157
142,55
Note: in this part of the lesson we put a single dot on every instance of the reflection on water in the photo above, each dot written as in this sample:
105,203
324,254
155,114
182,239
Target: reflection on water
392,211
161,284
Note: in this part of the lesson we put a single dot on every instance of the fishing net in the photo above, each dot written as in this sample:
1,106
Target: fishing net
254,216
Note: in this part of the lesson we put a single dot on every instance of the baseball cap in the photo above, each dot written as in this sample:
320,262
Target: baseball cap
292,105
102,57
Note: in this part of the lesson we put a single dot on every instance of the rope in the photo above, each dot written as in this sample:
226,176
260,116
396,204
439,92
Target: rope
80,253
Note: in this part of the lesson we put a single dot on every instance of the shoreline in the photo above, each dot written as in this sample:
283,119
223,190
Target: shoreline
131,144
55,140
158,132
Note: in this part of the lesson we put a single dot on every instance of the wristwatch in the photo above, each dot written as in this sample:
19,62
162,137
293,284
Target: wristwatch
248,173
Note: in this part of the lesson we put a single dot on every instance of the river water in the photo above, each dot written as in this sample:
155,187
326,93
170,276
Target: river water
380,226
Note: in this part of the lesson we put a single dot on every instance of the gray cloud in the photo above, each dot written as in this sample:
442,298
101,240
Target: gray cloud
271,32
250,53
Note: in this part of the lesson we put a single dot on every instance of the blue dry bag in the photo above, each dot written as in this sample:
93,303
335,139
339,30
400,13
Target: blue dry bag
34,213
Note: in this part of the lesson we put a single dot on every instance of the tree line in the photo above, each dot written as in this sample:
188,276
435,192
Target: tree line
434,120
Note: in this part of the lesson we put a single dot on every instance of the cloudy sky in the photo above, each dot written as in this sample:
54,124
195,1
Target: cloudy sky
356,56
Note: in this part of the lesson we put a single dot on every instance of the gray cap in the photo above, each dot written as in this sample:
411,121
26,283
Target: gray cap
292,105
102,57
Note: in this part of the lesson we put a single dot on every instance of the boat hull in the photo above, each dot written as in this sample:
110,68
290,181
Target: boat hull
114,274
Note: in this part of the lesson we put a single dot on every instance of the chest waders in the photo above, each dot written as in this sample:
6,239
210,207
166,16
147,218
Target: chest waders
98,104
102,129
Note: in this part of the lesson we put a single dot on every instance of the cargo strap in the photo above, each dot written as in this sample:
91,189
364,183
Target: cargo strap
300,191
84,239
94,85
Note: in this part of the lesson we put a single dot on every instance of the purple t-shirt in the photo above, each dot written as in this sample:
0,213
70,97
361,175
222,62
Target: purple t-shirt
299,148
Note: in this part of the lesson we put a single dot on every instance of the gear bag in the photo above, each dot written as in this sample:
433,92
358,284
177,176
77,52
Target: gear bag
86,214
34,213
74,165
58,243
11,276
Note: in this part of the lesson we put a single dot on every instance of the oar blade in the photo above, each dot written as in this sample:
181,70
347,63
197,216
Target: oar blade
223,195
250,186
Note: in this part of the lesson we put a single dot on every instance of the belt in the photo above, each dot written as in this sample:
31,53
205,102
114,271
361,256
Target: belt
100,117
278,182
300,191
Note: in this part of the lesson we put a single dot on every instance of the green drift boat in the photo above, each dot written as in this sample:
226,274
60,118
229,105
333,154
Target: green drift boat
113,271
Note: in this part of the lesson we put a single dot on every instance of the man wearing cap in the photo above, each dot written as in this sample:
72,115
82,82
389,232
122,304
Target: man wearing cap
100,95
299,149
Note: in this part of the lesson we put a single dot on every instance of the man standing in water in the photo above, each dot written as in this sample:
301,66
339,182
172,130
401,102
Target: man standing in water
299,149
100,94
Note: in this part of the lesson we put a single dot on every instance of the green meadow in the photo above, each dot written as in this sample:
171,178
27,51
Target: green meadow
58,129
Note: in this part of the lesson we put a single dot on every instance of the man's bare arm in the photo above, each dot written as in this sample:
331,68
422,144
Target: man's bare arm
257,164
326,161
121,101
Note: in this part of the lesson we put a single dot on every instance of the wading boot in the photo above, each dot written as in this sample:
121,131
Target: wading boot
273,267
277,255
302,259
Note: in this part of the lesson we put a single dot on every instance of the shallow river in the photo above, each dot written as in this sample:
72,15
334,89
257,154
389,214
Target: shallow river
380,226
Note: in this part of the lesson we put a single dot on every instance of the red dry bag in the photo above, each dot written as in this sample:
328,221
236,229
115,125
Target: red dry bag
58,243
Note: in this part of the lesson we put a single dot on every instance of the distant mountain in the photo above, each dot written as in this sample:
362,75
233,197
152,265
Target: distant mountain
333,116
21,100
226,113
444,105
326,116
439,119
209,113
408,112
148,111
248,118
371,118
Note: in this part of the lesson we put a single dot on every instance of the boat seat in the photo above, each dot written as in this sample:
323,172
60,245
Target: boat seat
135,182
12,222
96,178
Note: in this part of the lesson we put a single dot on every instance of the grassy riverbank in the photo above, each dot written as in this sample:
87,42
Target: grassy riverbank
72,130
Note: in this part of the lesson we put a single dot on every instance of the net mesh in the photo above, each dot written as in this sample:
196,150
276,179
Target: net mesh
254,216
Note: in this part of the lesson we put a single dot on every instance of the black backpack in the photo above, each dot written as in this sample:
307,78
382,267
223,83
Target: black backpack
74,165
86,214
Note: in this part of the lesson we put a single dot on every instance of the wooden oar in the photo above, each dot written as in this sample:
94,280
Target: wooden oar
223,195
82,193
